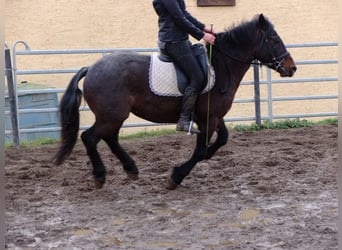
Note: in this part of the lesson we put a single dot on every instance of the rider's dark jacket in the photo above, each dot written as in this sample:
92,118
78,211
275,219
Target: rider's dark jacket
175,23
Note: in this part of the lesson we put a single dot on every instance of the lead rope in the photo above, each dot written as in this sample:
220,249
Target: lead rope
209,80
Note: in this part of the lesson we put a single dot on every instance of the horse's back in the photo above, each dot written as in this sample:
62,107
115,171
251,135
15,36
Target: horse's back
114,79
117,70
117,65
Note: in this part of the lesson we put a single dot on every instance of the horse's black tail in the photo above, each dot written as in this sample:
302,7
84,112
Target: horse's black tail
70,117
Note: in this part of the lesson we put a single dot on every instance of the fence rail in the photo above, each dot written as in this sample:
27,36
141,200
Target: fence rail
15,111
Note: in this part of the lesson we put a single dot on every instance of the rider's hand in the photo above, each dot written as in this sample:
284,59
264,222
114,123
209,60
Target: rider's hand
209,29
209,38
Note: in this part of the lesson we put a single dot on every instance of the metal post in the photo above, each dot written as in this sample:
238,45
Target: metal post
269,94
14,69
257,94
12,99
2,133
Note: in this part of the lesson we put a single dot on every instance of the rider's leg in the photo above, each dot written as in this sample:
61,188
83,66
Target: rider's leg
182,55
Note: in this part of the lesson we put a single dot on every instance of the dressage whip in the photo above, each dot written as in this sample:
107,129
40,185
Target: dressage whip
209,90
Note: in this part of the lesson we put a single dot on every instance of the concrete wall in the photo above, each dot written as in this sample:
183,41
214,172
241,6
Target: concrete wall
62,24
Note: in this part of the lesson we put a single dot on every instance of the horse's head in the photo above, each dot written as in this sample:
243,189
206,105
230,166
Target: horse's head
271,50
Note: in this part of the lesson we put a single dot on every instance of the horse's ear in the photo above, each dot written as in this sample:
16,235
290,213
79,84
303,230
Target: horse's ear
262,22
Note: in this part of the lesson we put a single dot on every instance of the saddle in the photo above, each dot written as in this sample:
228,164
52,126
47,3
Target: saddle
167,79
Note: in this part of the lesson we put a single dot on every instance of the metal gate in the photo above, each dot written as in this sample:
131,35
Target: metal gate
258,99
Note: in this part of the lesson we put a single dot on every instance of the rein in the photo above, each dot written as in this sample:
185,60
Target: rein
233,57
208,108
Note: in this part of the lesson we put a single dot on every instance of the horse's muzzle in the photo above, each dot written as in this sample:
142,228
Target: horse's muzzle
287,67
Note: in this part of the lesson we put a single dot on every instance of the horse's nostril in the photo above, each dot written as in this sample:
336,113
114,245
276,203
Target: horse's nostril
294,68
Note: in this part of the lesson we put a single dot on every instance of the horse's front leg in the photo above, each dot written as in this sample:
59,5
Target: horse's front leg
222,138
180,172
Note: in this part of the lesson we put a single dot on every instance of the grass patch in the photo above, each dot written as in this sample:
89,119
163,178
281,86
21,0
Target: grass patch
331,121
285,124
150,133
34,143
288,123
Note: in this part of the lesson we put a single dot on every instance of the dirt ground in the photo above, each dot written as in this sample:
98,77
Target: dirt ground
271,189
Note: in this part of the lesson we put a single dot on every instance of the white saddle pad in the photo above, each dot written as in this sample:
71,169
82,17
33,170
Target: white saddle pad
163,79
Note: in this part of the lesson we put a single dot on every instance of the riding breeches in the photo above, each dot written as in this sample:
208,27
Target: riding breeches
181,54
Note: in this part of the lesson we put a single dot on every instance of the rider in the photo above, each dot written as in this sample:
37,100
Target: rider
175,26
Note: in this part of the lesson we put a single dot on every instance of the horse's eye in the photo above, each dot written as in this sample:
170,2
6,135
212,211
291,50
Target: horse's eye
273,41
275,38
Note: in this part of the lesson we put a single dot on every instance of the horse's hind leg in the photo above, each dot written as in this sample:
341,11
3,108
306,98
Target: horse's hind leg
127,162
90,140
91,137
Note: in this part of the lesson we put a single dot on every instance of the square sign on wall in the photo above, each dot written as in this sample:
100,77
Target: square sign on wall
215,2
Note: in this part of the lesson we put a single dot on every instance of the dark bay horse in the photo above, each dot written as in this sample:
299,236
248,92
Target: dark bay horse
117,84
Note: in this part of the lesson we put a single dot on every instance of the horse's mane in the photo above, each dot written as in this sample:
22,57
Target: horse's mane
242,33
230,41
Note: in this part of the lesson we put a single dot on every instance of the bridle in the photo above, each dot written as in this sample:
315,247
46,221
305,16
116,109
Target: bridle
276,62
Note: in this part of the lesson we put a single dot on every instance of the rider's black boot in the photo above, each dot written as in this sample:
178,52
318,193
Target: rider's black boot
188,104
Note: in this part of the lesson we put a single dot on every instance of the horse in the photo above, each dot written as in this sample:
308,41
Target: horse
118,84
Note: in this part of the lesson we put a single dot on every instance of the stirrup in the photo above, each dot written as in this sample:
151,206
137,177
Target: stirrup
188,128
192,130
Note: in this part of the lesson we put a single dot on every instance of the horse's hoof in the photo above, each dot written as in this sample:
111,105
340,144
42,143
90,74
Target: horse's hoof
98,184
171,185
132,176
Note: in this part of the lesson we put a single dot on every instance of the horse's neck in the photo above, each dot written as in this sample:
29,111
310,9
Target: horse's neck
230,70
239,70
